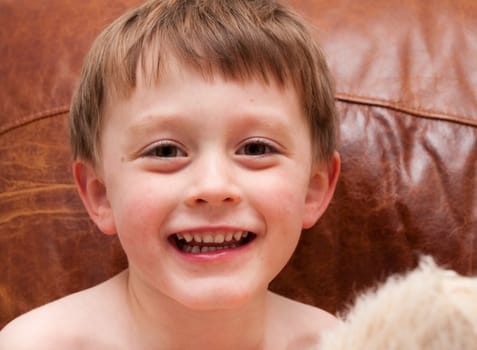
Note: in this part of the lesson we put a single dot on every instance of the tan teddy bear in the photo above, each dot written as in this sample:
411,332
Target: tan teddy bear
428,309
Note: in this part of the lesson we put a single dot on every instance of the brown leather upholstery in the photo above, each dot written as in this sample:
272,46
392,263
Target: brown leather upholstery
406,73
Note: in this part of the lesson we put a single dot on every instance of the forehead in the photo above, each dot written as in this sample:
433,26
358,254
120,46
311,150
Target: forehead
180,87
175,76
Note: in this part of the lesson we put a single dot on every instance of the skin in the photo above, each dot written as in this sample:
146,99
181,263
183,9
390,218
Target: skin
199,157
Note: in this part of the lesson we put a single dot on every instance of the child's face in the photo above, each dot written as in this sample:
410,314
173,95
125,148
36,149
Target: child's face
209,160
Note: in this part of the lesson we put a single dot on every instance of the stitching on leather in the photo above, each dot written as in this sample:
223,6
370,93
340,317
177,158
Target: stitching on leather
429,114
33,117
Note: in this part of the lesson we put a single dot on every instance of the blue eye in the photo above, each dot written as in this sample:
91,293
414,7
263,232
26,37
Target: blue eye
165,149
256,148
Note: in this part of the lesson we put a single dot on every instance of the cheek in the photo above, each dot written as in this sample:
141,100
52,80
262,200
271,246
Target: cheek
139,216
281,206
138,208
282,198
286,203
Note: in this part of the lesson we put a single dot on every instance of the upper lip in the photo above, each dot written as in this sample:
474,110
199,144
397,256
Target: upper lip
214,230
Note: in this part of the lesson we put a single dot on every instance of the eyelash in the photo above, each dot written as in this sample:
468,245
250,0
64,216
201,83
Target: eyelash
268,146
175,151
162,145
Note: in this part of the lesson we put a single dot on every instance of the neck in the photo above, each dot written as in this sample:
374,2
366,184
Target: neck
163,321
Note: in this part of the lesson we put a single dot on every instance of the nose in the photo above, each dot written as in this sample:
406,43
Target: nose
213,183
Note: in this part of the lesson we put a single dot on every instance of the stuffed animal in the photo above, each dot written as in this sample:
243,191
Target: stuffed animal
430,308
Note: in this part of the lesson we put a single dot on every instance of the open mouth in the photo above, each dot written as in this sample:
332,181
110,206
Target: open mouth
199,243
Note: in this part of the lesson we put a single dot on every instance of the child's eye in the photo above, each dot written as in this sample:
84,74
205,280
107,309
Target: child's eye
257,148
165,149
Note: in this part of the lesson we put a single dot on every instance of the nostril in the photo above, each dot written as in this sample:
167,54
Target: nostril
212,201
213,195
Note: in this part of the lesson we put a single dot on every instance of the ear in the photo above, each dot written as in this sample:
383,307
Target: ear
93,193
321,189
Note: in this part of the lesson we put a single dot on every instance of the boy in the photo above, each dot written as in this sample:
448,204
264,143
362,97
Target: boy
203,135
428,309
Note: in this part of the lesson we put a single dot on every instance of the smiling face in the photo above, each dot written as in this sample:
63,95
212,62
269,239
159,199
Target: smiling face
208,184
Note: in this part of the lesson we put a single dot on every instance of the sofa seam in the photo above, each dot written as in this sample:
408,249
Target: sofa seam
423,113
29,118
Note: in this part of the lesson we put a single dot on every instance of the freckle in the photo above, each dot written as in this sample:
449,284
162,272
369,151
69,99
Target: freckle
123,159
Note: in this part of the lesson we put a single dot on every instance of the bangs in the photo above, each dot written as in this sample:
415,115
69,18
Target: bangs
213,38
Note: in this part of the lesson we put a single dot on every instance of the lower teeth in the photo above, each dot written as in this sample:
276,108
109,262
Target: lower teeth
205,249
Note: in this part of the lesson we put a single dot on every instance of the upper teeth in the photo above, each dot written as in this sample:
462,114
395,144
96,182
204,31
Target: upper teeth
209,237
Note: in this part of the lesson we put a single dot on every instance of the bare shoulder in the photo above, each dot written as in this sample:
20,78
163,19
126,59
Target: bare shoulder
68,323
303,324
33,330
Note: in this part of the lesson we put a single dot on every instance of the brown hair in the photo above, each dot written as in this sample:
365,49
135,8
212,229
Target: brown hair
236,39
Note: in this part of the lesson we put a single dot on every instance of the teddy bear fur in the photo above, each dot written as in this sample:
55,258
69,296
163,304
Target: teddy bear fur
430,308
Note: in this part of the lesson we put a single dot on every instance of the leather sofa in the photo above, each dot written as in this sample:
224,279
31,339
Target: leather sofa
406,78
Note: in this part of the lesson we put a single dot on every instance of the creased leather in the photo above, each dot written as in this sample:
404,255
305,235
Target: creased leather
406,78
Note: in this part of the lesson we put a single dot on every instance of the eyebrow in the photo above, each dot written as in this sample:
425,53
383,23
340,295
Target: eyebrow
258,118
268,120
154,121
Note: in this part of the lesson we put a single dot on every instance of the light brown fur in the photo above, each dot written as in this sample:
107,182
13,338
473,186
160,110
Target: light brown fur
428,309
